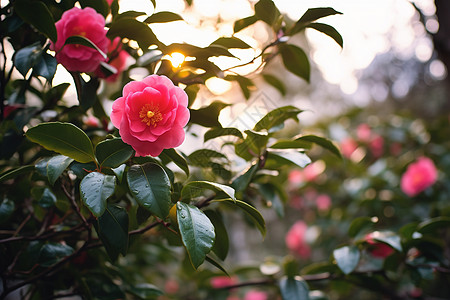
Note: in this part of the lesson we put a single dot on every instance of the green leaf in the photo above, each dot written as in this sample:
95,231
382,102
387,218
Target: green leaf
216,264
295,60
64,138
276,83
241,182
294,288
45,66
328,30
206,158
243,23
222,244
244,83
266,11
323,142
150,186
287,157
101,6
218,132
163,17
197,232
432,225
81,40
277,117
48,199
389,238
133,30
13,173
195,188
360,224
252,212
231,43
112,229
272,194
145,291
6,209
53,167
253,145
347,258
95,189
208,116
27,57
119,171
38,15
130,14
88,92
112,153
291,144
312,15
51,253
177,158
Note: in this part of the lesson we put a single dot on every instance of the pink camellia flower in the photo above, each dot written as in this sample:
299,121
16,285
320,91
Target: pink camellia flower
378,249
348,146
295,240
323,202
81,22
364,133
419,176
376,145
255,295
117,59
223,281
151,115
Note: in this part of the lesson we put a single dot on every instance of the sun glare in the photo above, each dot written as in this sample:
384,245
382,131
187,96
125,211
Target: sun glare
176,58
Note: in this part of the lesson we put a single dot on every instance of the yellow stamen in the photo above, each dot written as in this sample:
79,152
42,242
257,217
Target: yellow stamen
150,115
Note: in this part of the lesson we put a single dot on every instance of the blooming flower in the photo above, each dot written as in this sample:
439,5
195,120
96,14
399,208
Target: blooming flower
323,202
295,240
118,59
348,146
255,295
364,133
80,22
151,115
419,176
378,249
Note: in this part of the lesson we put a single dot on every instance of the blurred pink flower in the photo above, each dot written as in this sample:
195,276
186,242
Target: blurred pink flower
295,177
223,281
348,146
364,133
255,295
91,121
295,240
171,286
83,22
378,249
151,115
419,176
118,59
323,202
376,145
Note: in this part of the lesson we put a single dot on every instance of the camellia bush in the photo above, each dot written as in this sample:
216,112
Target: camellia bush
98,202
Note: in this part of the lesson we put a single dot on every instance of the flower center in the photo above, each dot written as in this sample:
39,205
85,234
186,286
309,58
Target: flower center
150,115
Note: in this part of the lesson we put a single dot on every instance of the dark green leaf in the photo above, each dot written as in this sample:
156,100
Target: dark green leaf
81,40
145,291
13,173
195,188
45,66
177,158
244,83
54,167
276,83
221,244
295,60
6,209
206,158
323,142
360,224
266,11
253,145
130,14
112,153
95,189
271,193
64,138
432,225
241,182
88,92
312,15
197,232
51,253
328,30
208,116
150,186
218,132
112,229
288,157
291,144
27,57
294,288
231,43
243,23
347,258
389,238
277,117
56,92
133,30
48,199
163,17
216,264
38,15
119,171
252,212
101,6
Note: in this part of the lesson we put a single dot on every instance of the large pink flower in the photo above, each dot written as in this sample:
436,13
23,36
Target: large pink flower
82,22
419,176
295,240
116,58
151,115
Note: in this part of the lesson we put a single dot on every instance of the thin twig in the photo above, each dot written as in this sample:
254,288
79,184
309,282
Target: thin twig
75,206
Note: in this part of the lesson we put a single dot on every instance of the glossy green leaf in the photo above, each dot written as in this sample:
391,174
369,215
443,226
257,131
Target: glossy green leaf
216,264
150,186
206,158
208,116
295,60
38,15
251,211
46,67
177,159
293,288
434,224
231,43
241,182
291,144
222,244
133,30
195,188
219,132
252,146
277,117
163,17
119,171
328,30
243,23
275,82
112,229
389,238
27,57
359,224
323,142
197,232
347,258
81,40
112,153
312,15
266,11
95,189
287,157
13,173
53,167
6,209
145,291
64,138
48,199
51,253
